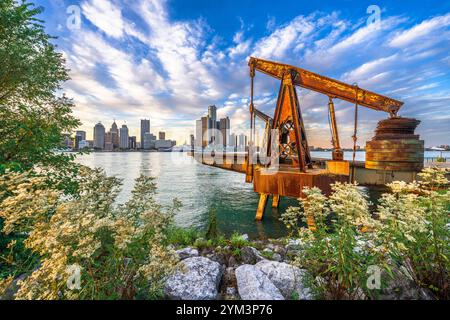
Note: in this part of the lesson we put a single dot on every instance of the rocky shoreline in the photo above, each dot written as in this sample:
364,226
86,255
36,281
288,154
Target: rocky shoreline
260,270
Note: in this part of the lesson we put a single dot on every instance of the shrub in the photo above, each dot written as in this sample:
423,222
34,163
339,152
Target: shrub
238,241
338,252
119,249
416,229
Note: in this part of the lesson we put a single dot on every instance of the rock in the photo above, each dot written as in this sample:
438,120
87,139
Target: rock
232,261
402,287
277,257
251,255
231,292
287,278
245,237
187,253
253,284
198,278
294,245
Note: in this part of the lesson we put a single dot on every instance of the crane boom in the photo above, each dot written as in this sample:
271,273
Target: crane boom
331,87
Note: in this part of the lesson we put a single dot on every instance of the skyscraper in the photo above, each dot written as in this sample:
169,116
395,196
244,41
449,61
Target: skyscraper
225,131
212,125
99,136
114,135
145,128
124,137
162,135
201,127
132,142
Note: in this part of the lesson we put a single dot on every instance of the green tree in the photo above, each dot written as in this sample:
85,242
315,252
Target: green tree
33,116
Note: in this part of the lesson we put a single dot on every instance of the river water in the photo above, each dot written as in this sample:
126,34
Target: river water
200,188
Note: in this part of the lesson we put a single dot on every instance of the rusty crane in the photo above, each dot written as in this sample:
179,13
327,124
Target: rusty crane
395,147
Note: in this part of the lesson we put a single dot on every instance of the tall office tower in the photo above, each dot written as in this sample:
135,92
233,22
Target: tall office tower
99,136
123,137
82,134
132,142
114,135
145,128
109,146
162,135
212,115
225,131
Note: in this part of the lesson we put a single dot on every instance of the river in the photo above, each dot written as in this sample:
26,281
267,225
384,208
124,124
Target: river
200,188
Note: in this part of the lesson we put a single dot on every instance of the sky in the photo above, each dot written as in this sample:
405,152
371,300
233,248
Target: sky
168,60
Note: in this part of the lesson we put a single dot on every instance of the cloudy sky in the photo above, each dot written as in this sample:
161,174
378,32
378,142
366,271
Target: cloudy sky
167,60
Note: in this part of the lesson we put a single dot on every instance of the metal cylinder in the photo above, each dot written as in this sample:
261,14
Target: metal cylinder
395,146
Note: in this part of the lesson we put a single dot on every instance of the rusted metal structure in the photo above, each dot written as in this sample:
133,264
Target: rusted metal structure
395,146
296,169
394,153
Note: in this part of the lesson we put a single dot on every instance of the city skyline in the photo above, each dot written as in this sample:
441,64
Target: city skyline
167,61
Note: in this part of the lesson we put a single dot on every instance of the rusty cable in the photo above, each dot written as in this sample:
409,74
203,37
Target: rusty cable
355,131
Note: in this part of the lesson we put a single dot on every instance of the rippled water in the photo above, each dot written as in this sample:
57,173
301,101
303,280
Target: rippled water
200,188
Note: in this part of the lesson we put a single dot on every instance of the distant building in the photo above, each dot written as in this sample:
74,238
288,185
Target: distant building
149,141
145,128
84,144
162,135
212,123
114,135
163,144
225,131
192,141
242,141
82,134
201,130
232,142
109,146
99,136
123,137
132,144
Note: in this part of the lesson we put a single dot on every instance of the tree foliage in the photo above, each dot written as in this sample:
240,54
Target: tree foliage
33,118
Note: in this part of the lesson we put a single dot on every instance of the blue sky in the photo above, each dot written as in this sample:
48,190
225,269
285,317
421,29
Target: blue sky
168,60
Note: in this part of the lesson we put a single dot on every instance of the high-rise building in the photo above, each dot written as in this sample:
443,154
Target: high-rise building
82,134
212,125
114,135
109,146
201,132
149,141
99,136
242,141
132,142
224,128
162,135
123,137
145,128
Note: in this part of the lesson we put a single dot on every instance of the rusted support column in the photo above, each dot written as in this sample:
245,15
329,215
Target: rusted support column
338,154
275,201
261,206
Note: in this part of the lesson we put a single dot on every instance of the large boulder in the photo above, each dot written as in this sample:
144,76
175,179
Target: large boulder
287,278
250,255
253,284
197,278
187,253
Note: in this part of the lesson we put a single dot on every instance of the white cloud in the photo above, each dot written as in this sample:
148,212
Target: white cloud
104,15
426,29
